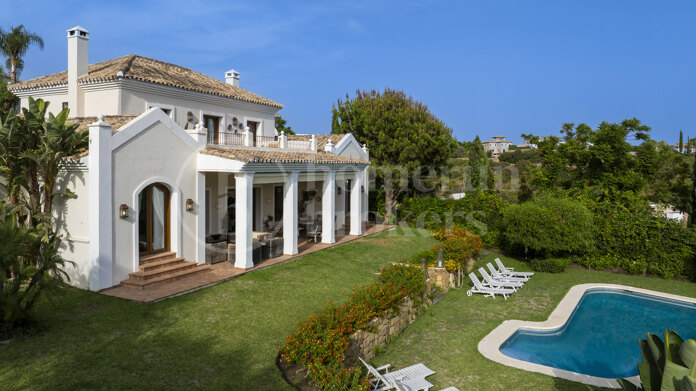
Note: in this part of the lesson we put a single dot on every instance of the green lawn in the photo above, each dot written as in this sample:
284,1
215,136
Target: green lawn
446,337
227,336
222,337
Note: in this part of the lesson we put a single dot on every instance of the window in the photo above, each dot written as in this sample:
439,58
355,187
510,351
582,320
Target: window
253,128
65,105
212,123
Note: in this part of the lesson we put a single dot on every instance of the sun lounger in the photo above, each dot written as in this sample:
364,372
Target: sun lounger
493,283
487,291
504,277
412,377
511,271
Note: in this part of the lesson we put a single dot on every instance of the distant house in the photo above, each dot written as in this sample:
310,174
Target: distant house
685,148
527,146
498,145
669,212
179,161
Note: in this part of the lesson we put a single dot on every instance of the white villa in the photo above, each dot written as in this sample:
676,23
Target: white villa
181,164
498,145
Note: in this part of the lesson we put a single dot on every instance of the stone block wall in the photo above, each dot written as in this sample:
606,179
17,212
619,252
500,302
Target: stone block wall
363,342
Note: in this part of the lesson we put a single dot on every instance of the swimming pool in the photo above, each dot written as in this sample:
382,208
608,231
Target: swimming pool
601,336
592,336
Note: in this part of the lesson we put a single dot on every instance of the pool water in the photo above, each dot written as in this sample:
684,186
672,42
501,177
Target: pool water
601,336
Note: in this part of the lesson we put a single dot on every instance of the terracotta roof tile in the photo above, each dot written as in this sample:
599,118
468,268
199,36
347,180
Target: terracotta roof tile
116,121
266,156
152,71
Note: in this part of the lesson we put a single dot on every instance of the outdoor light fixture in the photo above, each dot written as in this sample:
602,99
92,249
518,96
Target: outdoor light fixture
362,189
189,205
123,211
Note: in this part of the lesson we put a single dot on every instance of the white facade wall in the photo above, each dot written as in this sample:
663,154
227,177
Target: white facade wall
156,155
136,100
71,216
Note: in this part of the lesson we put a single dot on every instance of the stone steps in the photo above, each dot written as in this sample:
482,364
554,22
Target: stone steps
162,268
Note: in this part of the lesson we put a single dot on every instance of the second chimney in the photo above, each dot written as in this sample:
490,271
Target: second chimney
232,77
78,39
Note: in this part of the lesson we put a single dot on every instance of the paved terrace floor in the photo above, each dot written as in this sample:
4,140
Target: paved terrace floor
225,271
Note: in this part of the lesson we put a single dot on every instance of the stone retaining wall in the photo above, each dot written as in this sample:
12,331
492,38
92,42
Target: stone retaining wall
363,342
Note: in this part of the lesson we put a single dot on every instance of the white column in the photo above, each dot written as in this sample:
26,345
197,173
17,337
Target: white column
100,206
356,204
290,214
244,187
200,217
328,208
366,198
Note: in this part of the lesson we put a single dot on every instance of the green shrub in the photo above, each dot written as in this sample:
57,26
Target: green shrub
30,269
635,239
549,265
548,226
478,212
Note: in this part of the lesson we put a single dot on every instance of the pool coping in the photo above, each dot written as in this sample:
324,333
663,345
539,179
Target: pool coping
489,346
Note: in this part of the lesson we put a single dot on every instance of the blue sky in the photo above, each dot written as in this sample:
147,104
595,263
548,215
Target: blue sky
486,68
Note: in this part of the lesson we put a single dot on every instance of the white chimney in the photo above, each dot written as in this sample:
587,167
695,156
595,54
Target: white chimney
232,77
78,39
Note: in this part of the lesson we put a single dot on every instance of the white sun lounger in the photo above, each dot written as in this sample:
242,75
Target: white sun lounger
493,283
487,291
412,377
511,271
504,277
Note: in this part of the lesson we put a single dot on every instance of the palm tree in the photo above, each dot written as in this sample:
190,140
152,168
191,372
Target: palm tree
14,45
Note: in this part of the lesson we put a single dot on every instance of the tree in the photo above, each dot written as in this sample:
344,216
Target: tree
280,123
14,45
481,172
33,151
404,138
681,142
8,100
692,198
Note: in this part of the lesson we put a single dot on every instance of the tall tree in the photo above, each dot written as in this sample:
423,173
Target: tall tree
681,142
481,171
14,45
404,138
692,199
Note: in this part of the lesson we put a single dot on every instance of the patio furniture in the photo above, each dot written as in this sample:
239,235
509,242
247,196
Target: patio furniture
487,291
504,277
272,248
315,231
493,283
412,377
510,270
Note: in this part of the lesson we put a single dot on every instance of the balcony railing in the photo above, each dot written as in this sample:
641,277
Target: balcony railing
246,140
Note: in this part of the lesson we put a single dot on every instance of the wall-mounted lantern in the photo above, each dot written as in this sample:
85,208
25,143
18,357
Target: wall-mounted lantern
189,205
123,211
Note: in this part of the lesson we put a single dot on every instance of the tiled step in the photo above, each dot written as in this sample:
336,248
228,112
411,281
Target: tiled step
156,257
160,264
158,272
167,277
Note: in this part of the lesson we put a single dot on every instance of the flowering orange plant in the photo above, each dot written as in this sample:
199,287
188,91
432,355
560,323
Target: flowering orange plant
320,342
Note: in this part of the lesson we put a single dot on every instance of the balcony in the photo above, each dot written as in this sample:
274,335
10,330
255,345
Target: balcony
248,140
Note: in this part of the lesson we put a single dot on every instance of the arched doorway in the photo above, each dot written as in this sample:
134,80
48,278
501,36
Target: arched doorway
154,219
